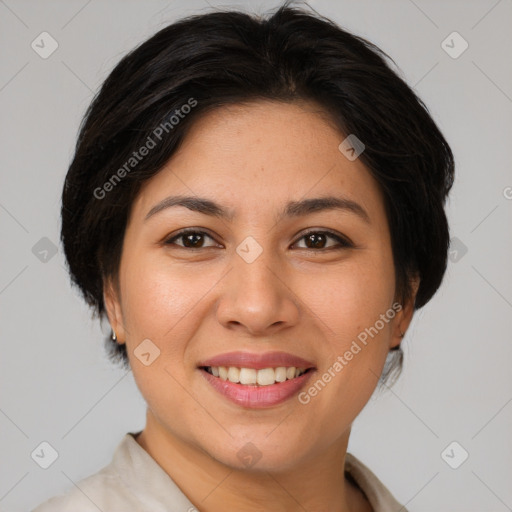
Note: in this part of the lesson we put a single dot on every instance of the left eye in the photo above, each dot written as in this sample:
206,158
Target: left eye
318,240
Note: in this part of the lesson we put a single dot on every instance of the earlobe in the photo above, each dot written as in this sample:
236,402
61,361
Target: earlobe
404,317
113,310
398,335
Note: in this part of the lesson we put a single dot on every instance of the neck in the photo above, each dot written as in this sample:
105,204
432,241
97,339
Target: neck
319,483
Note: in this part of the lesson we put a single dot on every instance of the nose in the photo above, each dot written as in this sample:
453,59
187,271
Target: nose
257,297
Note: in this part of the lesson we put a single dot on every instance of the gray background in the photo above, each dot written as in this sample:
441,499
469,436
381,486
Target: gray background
56,384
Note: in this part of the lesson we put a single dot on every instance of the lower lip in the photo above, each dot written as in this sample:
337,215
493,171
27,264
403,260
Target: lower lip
257,396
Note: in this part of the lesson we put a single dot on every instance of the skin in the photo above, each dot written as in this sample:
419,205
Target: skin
298,298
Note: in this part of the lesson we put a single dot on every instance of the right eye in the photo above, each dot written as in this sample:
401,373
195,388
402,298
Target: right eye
191,238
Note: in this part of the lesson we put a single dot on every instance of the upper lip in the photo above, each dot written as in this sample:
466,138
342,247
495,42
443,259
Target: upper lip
257,361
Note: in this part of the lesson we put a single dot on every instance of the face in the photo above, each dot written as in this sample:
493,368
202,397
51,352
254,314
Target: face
265,278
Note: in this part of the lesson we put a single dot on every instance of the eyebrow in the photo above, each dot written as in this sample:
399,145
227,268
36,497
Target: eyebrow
292,209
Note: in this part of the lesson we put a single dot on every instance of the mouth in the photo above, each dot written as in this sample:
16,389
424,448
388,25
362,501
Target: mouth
254,377
257,380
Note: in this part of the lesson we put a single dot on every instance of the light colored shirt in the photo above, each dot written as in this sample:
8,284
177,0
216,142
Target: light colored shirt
134,482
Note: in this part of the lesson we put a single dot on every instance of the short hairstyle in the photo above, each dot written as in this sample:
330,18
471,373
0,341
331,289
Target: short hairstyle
206,61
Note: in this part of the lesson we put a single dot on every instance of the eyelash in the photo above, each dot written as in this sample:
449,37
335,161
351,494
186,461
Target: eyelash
344,243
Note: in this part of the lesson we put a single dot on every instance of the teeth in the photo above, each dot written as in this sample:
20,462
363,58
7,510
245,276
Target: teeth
266,376
233,374
252,377
248,376
280,374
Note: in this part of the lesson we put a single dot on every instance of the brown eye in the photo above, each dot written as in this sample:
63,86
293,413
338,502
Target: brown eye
316,240
319,240
190,239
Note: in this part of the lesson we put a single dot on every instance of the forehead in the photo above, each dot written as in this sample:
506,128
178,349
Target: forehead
261,155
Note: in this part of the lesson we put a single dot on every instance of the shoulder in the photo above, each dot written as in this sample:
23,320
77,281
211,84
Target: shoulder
104,490
378,495
132,482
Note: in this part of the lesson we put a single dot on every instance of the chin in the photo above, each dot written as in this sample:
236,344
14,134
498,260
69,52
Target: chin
259,453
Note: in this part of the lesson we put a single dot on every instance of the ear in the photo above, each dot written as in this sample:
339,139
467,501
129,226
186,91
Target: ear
404,316
112,300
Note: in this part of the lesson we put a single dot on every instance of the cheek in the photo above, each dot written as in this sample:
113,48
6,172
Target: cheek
158,298
354,306
167,306
160,304
352,297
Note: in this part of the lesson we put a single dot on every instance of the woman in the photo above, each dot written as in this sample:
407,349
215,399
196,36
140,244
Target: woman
257,206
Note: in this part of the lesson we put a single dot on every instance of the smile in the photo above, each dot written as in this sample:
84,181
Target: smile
254,377
256,380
